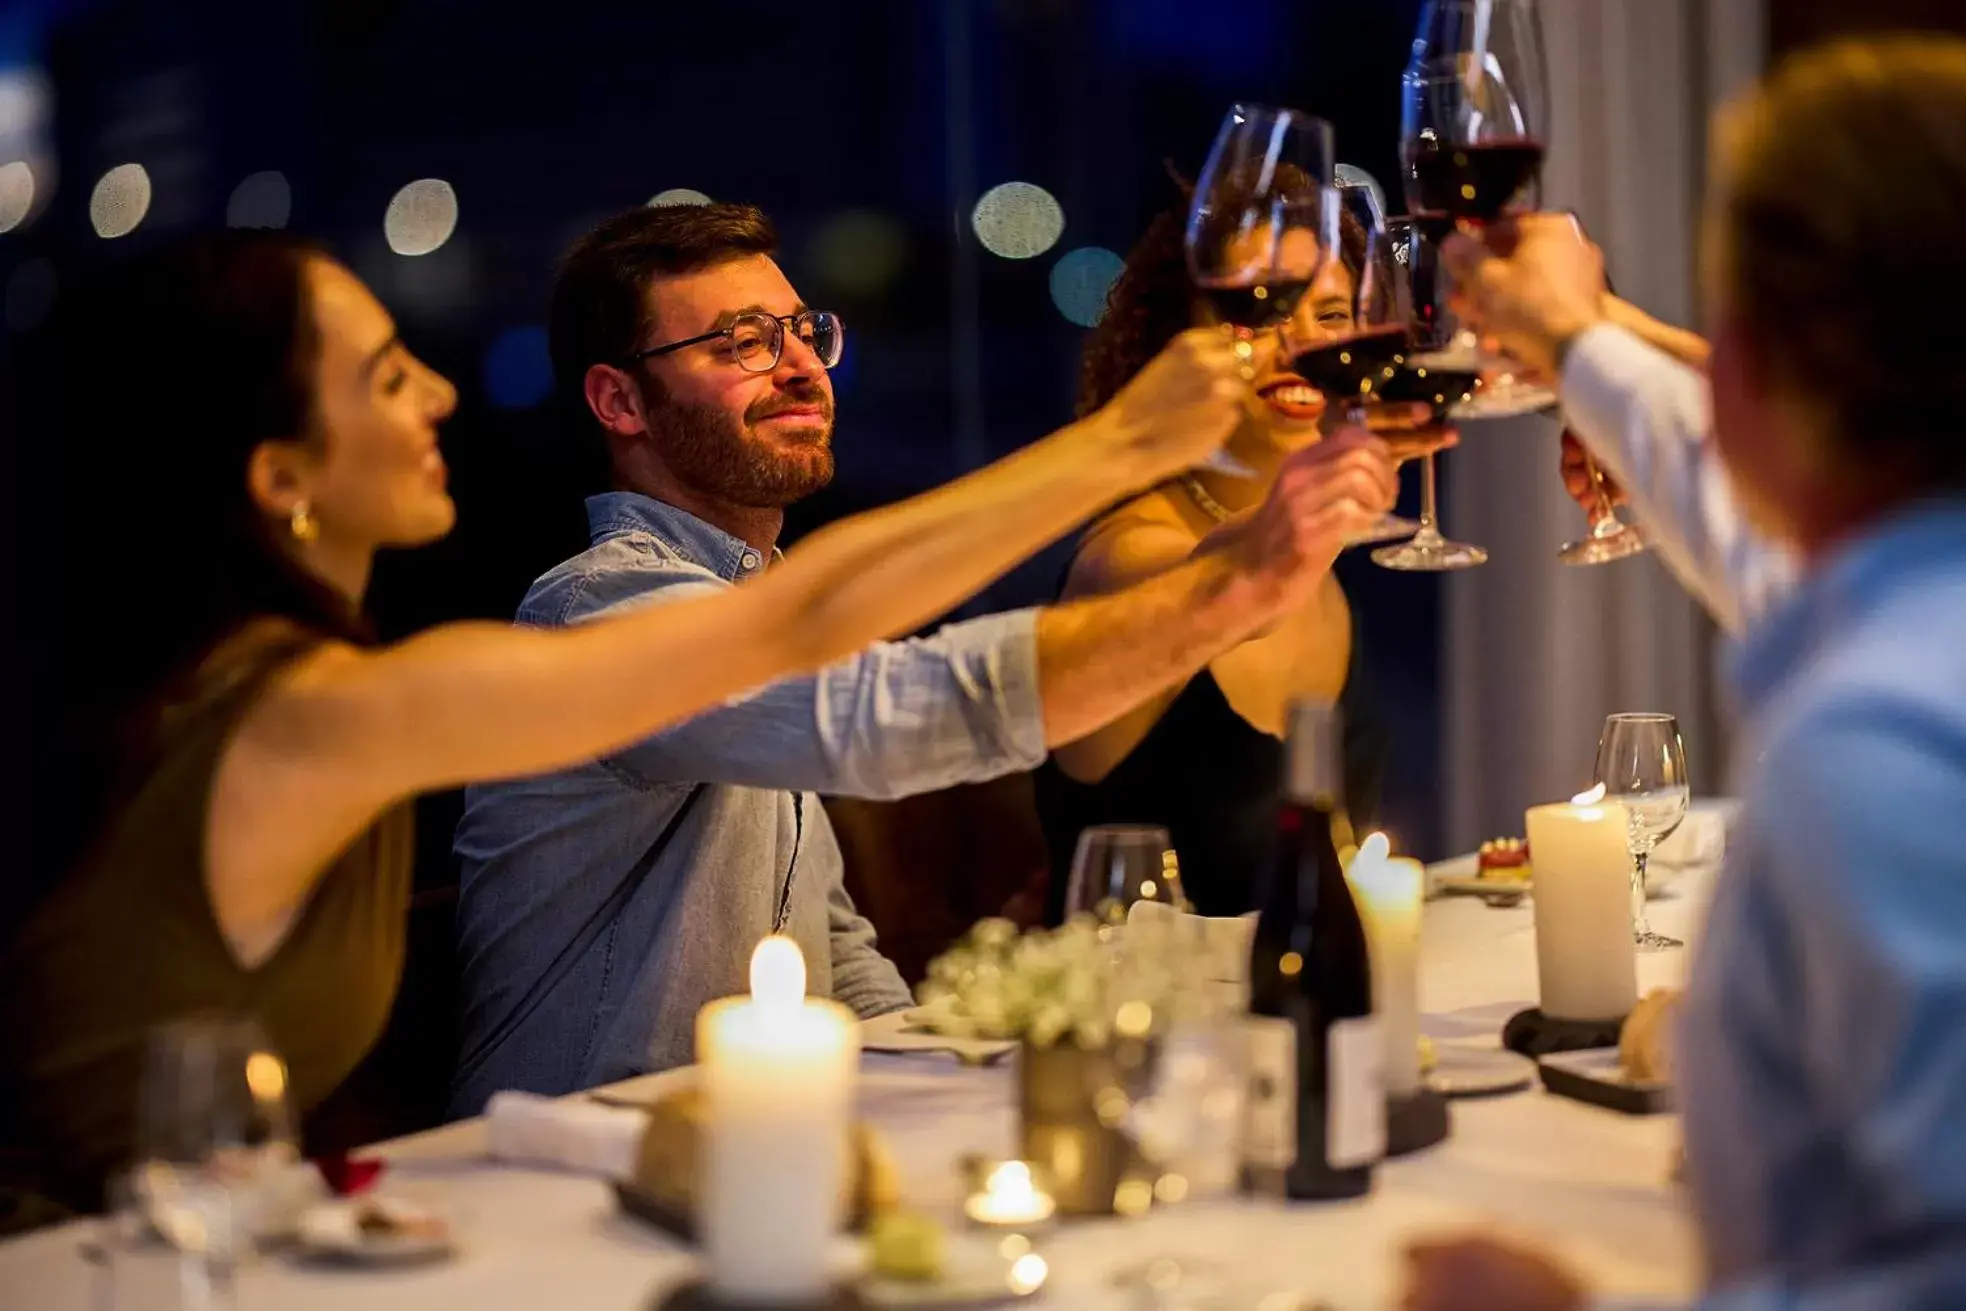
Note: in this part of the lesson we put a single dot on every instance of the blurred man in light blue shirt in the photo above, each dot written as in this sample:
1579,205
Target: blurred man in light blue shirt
1822,1061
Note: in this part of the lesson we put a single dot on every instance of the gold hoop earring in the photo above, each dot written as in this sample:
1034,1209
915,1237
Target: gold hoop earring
302,523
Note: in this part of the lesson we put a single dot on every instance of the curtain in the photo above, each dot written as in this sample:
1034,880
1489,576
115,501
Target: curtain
1536,653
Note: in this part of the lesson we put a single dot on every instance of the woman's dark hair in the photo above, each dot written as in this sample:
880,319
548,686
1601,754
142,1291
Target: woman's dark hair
1152,302
152,387
1840,197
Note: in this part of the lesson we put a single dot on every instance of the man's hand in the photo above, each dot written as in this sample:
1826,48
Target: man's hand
1324,496
1178,410
1578,482
1545,290
1480,1274
1410,431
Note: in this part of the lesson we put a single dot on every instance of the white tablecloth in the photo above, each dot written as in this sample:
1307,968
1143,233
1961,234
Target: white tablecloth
1591,1183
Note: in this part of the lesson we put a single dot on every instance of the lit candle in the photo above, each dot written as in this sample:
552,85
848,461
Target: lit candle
1011,1199
1388,892
777,1079
1585,962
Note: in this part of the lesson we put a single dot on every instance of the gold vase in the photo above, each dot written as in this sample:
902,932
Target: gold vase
1086,1157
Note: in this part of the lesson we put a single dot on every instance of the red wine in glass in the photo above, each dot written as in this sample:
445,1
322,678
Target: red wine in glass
1352,369
1439,389
1254,306
1476,181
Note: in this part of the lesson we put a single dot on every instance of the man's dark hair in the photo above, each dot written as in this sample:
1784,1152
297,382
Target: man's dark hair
600,298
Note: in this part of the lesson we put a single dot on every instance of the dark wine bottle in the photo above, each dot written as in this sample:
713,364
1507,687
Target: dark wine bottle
1316,1110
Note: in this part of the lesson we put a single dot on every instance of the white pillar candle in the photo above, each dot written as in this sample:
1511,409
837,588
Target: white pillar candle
1586,965
1388,891
777,1074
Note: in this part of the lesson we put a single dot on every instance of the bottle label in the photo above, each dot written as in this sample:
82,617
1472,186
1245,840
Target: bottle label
1269,1139
1355,1124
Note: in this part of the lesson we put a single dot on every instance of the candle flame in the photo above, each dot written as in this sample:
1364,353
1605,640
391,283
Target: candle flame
1377,846
778,973
1011,1176
1590,798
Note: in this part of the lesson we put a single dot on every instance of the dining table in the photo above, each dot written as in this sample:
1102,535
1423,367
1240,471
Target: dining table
1593,1186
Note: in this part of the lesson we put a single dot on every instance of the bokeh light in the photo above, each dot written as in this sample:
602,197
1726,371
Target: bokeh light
858,252
261,200
30,294
1081,281
120,200
679,196
518,371
421,217
16,194
1018,220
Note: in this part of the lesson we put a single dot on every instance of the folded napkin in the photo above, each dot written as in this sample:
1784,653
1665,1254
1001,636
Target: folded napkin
578,1135
1223,940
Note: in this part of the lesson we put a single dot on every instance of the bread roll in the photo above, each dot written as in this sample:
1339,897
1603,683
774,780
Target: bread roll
1645,1045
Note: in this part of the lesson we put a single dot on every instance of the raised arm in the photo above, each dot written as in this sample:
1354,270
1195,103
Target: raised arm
343,734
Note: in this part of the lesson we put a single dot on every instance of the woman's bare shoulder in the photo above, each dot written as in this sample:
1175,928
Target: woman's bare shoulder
1141,538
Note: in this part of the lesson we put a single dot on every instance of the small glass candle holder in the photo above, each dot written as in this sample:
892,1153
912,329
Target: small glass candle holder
1008,1196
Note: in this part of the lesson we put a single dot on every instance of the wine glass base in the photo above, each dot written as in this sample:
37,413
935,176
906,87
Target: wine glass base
1436,556
1505,401
1392,528
1627,541
1650,941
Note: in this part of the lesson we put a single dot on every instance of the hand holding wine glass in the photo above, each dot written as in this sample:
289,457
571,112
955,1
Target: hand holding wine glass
1544,292
1641,763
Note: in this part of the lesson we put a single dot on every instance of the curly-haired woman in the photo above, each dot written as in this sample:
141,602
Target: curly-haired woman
1203,760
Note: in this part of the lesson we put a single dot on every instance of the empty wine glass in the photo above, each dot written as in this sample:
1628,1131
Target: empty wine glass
1178,1080
1474,107
1641,764
215,1140
1116,865
1257,226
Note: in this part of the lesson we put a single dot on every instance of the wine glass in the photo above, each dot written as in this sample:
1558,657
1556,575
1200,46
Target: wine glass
1256,234
1610,538
1175,1088
1350,366
1641,764
1443,390
1117,865
1474,107
215,1140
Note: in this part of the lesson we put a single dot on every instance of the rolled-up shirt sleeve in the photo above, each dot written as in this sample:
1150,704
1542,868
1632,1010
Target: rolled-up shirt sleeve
896,719
1646,418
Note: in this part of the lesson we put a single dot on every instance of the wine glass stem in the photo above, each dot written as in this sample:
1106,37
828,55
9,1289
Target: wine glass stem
1429,512
1641,925
1604,520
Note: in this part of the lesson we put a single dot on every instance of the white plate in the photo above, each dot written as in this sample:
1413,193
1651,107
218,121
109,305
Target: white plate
332,1232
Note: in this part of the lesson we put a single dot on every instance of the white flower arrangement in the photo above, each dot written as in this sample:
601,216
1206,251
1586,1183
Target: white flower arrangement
1040,986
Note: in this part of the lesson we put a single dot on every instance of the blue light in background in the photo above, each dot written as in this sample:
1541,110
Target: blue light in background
518,371
1080,281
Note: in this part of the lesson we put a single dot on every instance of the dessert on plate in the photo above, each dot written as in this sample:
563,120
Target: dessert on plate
1503,860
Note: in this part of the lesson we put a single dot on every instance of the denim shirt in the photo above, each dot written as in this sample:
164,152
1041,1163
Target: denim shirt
1823,1045
540,856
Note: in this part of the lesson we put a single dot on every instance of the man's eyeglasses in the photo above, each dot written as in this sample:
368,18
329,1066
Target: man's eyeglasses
757,341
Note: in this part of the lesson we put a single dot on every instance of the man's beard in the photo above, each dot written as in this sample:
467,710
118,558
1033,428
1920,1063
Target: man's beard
711,454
